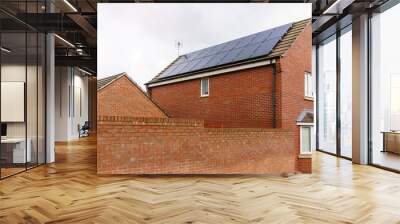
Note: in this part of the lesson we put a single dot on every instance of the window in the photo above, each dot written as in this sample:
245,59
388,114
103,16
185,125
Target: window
305,141
385,88
204,86
308,90
345,93
327,95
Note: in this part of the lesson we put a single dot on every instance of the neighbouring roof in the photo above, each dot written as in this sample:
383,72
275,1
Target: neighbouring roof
104,82
267,44
306,116
101,83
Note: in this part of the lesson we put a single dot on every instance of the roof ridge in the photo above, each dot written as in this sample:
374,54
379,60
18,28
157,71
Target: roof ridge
119,74
144,93
101,83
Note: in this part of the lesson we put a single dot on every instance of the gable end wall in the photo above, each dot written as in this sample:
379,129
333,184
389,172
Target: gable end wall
293,65
123,98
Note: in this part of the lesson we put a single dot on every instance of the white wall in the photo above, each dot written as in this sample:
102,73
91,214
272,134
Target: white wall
15,72
79,117
70,83
62,82
33,126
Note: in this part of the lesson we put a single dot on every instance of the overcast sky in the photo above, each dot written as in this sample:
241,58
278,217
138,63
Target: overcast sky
140,39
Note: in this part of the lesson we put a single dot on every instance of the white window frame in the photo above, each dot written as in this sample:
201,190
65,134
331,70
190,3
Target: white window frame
302,152
201,87
308,86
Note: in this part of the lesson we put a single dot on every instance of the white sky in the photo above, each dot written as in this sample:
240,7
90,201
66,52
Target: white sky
140,38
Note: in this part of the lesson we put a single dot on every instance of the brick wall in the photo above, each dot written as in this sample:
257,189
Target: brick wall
123,98
236,99
244,98
292,67
179,146
241,99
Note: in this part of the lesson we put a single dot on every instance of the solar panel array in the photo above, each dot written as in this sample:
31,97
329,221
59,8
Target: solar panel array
247,47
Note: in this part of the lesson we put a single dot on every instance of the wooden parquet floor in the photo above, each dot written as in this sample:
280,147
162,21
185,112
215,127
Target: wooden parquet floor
69,191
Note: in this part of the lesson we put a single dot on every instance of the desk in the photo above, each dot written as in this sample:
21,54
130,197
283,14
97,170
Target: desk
391,141
17,150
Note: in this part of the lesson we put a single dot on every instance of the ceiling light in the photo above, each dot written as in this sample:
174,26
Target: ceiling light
79,51
64,40
5,50
70,5
338,6
84,71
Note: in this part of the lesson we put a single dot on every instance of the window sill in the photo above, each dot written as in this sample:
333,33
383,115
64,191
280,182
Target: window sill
309,98
204,96
305,155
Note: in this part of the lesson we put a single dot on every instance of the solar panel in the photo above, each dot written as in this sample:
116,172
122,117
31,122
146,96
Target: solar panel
265,46
202,63
217,59
261,36
247,51
180,60
189,66
168,70
178,69
193,55
197,54
215,49
247,47
280,31
245,41
196,62
230,45
231,55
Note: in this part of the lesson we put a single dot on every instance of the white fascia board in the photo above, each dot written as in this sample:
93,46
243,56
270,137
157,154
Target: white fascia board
215,72
305,124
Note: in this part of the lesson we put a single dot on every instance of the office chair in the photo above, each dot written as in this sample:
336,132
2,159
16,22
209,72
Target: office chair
84,130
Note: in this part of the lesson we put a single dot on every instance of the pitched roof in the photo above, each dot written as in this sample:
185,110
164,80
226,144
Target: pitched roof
106,81
102,83
288,39
267,44
306,116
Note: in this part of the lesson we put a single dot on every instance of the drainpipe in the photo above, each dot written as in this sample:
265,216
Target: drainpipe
274,73
148,91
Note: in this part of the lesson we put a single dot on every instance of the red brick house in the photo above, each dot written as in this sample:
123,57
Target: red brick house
241,107
118,95
262,87
262,80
